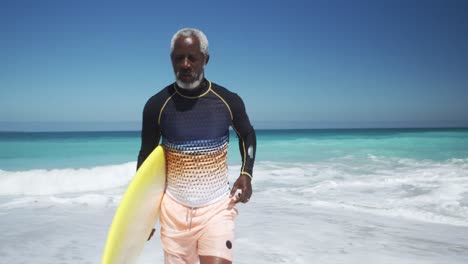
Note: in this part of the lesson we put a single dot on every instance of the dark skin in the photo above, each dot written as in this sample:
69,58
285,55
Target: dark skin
188,60
189,63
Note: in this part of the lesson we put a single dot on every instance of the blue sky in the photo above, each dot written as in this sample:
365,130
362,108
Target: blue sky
87,65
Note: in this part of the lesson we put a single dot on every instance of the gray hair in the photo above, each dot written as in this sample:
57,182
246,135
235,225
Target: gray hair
188,32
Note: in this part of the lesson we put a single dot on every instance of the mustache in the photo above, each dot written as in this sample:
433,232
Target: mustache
192,74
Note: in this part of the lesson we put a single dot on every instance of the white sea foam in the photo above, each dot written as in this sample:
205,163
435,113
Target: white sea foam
58,181
428,191
344,210
420,190
46,201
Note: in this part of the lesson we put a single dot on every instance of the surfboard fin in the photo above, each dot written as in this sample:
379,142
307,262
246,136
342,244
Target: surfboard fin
152,233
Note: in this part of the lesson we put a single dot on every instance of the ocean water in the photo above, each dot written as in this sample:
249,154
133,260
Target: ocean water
320,196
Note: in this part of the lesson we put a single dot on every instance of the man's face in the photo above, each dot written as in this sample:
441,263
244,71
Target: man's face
188,61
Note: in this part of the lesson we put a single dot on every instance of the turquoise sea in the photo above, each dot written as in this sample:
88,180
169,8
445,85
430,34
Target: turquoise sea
54,150
323,196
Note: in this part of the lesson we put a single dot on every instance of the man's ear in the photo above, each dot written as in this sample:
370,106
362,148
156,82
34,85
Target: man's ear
207,59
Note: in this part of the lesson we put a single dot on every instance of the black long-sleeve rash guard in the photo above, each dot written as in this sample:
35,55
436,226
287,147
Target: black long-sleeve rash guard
194,126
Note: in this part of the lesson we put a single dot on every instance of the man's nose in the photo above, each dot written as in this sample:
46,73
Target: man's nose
186,63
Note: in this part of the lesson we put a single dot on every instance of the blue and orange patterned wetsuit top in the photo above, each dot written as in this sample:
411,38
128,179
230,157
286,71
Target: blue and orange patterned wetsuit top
194,126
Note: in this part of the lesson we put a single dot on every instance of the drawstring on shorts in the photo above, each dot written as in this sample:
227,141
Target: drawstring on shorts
189,216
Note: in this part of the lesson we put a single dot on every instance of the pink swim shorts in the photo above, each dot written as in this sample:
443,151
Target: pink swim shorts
187,233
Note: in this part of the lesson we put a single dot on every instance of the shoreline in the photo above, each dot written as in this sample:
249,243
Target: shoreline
289,233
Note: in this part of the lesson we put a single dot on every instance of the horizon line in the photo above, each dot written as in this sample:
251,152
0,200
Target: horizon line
128,126
256,129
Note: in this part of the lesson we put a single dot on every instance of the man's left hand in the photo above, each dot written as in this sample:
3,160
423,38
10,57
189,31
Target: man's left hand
243,184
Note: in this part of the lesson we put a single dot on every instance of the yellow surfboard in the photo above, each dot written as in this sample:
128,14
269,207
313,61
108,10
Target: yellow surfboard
138,211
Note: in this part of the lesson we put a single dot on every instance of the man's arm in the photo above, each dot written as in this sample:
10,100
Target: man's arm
247,148
150,133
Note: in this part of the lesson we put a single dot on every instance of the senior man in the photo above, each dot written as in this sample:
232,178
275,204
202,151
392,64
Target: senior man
193,116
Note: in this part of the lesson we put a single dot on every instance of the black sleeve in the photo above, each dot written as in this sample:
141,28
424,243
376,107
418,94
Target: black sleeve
246,134
150,132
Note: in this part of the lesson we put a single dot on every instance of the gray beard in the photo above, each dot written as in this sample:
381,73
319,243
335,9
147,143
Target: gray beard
190,86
